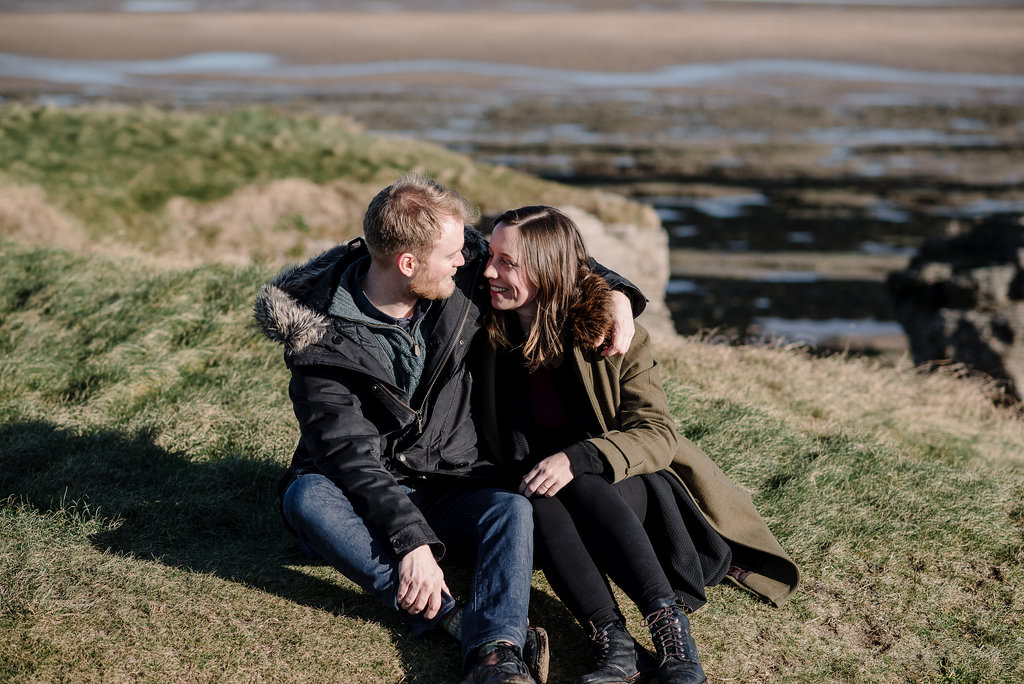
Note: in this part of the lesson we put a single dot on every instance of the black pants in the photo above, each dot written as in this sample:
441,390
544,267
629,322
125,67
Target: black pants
592,527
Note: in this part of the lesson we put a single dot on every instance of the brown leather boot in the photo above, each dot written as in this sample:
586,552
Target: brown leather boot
537,653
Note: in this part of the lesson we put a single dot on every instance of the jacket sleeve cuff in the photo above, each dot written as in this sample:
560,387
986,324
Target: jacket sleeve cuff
413,537
585,457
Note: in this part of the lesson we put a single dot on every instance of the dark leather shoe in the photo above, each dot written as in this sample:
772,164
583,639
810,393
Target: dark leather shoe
502,663
619,658
537,654
677,652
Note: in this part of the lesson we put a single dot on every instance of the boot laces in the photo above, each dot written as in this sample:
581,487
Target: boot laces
667,633
602,640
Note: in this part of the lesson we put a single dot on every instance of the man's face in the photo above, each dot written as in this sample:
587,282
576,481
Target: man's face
434,274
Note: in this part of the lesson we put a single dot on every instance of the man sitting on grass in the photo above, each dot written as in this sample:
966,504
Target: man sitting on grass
386,472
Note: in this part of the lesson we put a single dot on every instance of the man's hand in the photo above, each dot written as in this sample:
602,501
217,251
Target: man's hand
420,583
623,327
547,477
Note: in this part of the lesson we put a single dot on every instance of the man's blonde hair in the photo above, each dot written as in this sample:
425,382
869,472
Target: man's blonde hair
406,216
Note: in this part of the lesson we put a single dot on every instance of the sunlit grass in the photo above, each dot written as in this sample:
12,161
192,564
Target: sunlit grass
248,185
144,423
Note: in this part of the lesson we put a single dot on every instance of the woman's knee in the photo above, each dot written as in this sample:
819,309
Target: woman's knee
550,515
584,489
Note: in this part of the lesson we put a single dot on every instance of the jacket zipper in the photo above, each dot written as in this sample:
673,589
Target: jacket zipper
447,355
418,414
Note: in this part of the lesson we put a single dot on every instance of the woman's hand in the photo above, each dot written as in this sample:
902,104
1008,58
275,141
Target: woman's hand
547,477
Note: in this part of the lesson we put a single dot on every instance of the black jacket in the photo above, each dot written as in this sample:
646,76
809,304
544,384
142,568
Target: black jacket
357,427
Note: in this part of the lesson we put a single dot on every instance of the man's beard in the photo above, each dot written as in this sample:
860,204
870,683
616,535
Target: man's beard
424,288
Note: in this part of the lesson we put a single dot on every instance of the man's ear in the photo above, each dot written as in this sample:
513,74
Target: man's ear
407,263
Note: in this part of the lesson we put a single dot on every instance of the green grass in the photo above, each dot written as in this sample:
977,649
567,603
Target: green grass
122,174
144,423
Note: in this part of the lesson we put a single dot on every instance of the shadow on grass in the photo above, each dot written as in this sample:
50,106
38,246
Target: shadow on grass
217,517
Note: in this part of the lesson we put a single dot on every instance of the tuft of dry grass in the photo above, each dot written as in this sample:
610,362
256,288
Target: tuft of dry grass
27,216
886,402
271,222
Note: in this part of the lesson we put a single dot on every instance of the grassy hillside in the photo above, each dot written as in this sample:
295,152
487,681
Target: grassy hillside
144,422
245,185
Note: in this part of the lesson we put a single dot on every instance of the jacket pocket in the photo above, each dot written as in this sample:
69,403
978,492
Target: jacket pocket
453,437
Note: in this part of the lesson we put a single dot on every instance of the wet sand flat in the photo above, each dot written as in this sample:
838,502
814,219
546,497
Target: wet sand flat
980,41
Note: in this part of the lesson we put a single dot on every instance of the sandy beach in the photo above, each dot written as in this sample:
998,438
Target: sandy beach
956,40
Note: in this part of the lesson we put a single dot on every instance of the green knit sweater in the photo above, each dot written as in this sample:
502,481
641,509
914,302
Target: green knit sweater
401,350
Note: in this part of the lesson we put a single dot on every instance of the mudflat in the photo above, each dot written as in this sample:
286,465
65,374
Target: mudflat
829,171
974,40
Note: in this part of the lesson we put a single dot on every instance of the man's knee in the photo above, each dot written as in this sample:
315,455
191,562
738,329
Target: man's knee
521,506
514,511
311,498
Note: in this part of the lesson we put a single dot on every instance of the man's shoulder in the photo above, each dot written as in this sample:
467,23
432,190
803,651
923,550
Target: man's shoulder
301,279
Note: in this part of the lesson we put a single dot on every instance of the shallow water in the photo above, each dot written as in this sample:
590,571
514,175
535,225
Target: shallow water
724,207
439,5
805,307
266,65
816,332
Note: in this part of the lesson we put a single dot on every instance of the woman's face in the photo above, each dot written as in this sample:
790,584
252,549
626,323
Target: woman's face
511,289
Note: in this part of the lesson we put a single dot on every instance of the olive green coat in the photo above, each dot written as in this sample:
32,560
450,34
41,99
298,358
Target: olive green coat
627,397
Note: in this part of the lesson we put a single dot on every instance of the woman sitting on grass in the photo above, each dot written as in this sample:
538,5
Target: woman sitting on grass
590,439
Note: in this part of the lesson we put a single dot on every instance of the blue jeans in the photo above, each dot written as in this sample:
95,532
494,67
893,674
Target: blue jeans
495,524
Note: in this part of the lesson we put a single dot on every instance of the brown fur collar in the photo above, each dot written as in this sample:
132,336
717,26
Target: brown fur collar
589,318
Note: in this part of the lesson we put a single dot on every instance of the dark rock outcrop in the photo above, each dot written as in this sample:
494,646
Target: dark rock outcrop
961,300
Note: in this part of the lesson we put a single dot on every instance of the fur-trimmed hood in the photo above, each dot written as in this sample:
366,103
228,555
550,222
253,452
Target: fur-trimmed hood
589,319
285,308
